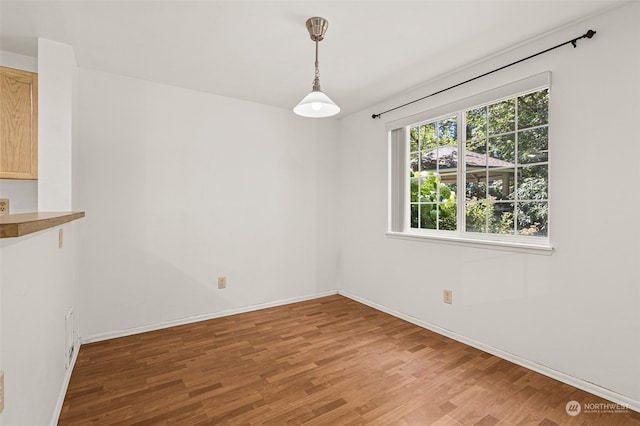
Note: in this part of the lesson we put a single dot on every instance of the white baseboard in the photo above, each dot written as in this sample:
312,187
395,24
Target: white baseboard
605,393
65,385
197,318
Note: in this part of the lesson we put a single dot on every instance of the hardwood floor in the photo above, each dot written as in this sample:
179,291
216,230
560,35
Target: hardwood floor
324,361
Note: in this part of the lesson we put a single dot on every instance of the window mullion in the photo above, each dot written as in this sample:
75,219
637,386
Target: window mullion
516,172
487,138
462,173
438,125
406,180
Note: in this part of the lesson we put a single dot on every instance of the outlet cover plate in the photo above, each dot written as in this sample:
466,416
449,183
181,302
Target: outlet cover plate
4,206
222,282
447,296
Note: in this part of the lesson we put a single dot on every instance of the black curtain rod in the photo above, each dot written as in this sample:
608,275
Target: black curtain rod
574,42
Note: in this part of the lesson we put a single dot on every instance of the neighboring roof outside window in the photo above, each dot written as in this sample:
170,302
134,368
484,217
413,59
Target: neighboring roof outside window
447,159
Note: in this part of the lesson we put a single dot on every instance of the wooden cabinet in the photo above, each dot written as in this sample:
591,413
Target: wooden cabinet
18,124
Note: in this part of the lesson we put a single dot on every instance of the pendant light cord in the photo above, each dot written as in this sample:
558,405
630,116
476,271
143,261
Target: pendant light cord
573,42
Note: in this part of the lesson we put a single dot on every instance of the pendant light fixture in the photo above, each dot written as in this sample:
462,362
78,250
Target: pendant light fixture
316,104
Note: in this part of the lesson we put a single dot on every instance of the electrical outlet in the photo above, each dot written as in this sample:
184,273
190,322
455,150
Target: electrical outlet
1,391
222,282
447,296
4,206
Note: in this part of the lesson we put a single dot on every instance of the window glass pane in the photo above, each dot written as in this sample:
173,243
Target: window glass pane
533,182
533,146
501,151
533,219
428,187
449,177
448,145
476,216
414,215
476,147
476,187
428,136
448,131
533,109
501,218
448,159
428,216
476,123
447,216
475,159
501,184
430,160
447,192
502,117
428,147
414,162
413,139
415,185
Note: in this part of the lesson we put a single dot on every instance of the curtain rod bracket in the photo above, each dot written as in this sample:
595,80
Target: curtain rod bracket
573,42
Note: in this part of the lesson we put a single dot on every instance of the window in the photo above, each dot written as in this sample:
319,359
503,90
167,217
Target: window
433,173
506,166
479,173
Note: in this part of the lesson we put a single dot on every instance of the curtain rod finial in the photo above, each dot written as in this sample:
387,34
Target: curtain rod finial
590,34
374,116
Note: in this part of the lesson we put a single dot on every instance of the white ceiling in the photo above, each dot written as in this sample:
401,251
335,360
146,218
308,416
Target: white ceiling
260,51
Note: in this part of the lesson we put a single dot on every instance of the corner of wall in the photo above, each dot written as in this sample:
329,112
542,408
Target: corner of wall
57,78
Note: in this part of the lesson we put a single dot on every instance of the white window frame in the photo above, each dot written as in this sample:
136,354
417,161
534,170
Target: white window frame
399,182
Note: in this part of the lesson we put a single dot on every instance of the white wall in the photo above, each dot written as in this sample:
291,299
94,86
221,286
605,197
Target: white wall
181,187
38,289
23,194
57,76
20,62
576,312
38,280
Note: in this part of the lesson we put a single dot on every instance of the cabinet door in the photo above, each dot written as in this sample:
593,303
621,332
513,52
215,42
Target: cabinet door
18,124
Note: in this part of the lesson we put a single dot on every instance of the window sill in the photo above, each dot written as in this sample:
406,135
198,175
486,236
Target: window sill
476,242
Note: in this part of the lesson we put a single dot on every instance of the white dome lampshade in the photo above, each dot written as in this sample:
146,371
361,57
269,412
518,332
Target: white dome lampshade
316,105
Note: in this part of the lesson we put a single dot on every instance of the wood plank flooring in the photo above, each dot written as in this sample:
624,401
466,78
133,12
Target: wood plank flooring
325,361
